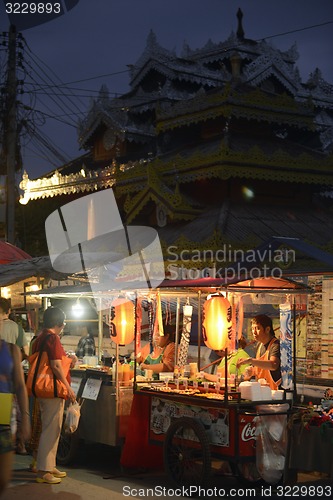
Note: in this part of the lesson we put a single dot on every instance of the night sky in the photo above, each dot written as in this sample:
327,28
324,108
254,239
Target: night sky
99,37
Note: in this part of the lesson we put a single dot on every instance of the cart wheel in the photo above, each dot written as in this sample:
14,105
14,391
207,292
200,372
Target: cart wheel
67,447
247,473
186,452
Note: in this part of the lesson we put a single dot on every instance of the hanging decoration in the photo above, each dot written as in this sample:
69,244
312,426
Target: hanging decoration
151,322
237,322
286,346
122,321
138,324
185,337
168,315
217,322
158,326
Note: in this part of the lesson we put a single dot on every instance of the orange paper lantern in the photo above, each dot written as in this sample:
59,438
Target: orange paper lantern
122,321
217,322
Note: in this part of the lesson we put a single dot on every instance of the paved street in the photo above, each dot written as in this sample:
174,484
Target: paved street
96,475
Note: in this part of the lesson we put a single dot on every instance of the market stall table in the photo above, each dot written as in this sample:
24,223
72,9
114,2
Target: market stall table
104,413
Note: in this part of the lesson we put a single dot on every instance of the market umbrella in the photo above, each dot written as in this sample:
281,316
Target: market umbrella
10,253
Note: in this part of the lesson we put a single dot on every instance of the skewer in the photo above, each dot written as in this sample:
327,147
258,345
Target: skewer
220,359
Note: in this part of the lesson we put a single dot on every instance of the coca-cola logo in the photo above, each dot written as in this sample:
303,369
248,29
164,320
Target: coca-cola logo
248,432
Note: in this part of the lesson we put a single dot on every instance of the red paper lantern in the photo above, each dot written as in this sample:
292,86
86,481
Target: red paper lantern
122,321
217,322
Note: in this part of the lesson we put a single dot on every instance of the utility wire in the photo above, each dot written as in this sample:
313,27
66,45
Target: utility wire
35,58
39,154
297,30
47,143
58,102
53,117
46,65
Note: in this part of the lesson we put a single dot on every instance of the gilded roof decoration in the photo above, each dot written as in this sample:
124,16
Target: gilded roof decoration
59,184
252,104
225,163
174,203
215,161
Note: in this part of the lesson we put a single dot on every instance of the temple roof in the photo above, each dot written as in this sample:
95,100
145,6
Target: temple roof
248,225
160,77
240,100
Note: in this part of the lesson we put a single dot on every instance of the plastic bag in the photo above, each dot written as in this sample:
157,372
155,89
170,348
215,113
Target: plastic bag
72,418
271,446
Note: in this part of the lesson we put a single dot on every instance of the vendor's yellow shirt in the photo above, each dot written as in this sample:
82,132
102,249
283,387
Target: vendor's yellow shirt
232,361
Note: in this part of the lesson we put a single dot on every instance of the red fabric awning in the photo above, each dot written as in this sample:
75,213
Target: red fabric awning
10,253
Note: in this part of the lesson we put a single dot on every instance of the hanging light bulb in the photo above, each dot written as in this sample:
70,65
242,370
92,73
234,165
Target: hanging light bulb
6,292
217,322
77,309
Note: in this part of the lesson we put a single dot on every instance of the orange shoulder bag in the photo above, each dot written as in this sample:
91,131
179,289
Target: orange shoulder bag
41,381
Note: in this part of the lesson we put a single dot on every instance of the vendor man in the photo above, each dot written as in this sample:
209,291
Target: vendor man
266,364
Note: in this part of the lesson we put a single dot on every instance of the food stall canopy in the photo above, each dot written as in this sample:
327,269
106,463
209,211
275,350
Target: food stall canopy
21,269
282,285
208,285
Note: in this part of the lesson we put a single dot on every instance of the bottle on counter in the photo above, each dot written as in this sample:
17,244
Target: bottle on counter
132,366
126,372
117,365
114,370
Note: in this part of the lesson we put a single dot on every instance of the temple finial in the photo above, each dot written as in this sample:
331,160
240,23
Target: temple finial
240,31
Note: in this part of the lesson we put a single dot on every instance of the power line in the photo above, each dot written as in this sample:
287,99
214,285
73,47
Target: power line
297,30
60,103
36,58
43,87
37,111
97,77
47,143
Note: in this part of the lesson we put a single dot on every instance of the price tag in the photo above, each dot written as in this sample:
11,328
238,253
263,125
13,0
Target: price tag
75,384
92,388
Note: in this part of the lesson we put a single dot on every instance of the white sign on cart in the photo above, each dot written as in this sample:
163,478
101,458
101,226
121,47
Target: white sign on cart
92,388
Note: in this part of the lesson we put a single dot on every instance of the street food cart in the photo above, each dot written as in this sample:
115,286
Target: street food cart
196,422
199,423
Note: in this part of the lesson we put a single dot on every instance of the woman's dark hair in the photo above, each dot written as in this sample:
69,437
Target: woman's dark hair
170,330
53,316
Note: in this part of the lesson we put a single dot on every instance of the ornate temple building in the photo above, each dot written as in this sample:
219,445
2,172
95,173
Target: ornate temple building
219,146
